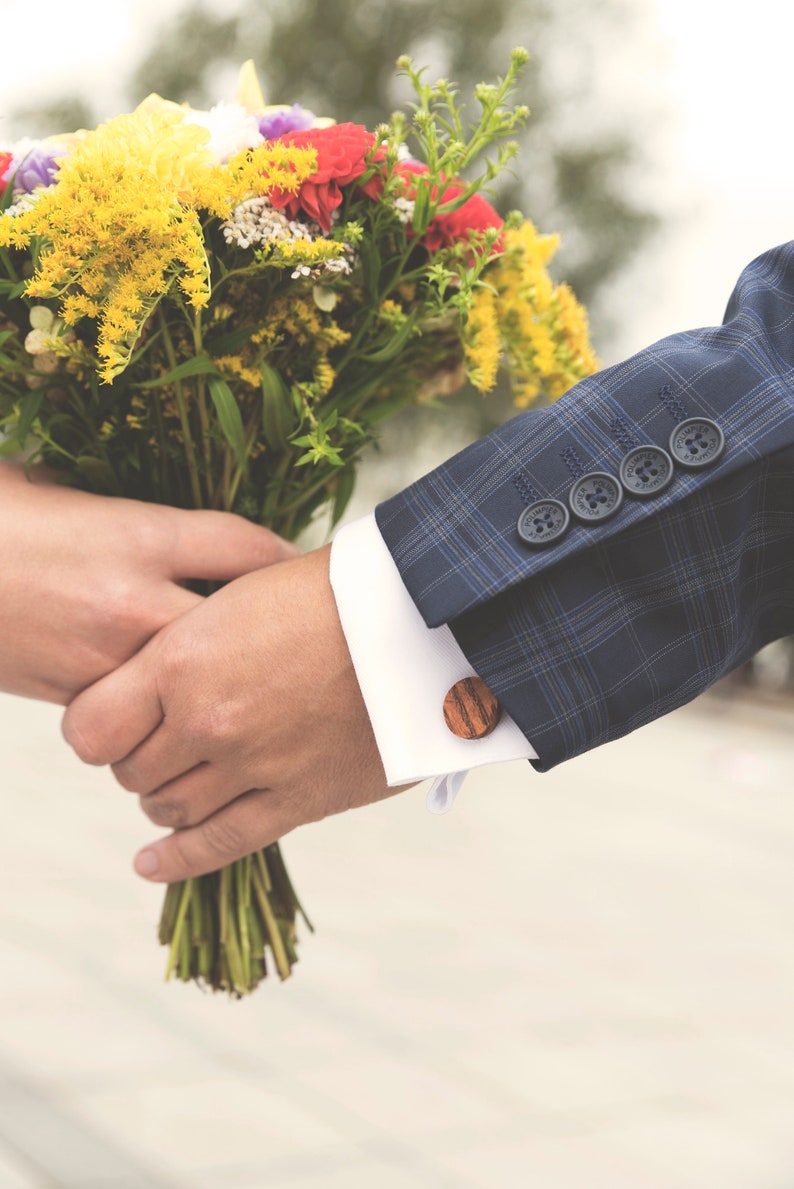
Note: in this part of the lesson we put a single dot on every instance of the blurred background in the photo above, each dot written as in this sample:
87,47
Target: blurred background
575,980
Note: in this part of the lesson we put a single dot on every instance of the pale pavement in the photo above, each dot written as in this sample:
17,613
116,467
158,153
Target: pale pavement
575,981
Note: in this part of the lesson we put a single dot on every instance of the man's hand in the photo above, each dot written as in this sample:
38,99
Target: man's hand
238,722
86,580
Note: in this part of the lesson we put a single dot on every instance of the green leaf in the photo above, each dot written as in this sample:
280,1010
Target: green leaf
371,265
28,412
419,216
228,344
99,474
394,346
199,365
229,417
386,408
9,447
278,420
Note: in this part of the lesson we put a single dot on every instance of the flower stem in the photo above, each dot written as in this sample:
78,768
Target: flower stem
190,453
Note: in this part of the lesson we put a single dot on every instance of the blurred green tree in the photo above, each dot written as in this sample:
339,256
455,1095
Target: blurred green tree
62,114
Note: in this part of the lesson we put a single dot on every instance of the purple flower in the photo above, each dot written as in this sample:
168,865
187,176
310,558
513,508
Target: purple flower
285,119
33,167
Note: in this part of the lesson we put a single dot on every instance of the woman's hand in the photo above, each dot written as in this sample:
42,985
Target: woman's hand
86,580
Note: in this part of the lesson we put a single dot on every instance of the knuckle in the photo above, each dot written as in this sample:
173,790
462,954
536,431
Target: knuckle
128,778
223,838
218,722
162,812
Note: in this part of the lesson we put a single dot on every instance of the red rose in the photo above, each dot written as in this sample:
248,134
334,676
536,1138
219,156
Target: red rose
444,230
341,158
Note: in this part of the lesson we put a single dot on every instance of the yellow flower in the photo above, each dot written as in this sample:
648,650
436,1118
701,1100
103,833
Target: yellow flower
235,367
482,340
542,327
122,225
249,91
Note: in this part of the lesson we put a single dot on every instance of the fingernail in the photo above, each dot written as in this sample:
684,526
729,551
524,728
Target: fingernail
147,863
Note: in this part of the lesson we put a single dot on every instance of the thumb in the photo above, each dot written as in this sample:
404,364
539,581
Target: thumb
222,546
108,720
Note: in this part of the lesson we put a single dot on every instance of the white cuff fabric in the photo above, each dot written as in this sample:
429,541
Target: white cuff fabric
405,669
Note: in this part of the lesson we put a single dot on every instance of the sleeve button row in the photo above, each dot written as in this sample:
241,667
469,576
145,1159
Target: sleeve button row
645,471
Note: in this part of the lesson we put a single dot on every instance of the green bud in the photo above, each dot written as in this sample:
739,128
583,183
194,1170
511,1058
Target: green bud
519,56
404,62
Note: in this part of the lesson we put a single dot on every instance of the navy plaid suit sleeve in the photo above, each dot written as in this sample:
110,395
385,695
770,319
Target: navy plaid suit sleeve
619,622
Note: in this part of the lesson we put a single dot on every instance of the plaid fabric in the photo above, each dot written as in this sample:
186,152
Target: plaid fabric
621,621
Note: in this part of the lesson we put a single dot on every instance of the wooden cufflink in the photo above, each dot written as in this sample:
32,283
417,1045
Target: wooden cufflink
471,711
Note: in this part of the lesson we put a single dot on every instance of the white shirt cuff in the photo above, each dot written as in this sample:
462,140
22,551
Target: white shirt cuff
405,669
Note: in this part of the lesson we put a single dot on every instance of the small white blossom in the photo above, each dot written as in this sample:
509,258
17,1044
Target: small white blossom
256,222
231,129
44,328
42,318
343,266
324,299
24,203
404,209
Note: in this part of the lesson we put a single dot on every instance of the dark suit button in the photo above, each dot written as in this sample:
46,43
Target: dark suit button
543,522
697,442
646,470
596,496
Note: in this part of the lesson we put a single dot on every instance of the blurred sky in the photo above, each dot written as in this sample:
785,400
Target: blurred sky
714,81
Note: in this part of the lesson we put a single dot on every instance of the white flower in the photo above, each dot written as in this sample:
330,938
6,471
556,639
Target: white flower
44,328
255,221
404,209
324,299
231,129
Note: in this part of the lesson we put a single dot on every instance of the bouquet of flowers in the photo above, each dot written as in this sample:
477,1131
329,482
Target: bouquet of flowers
215,310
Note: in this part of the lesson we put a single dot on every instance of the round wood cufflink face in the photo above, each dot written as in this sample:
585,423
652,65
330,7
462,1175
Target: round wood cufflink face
471,711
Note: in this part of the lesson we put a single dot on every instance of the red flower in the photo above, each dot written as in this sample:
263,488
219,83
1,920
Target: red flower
341,158
5,161
452,227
